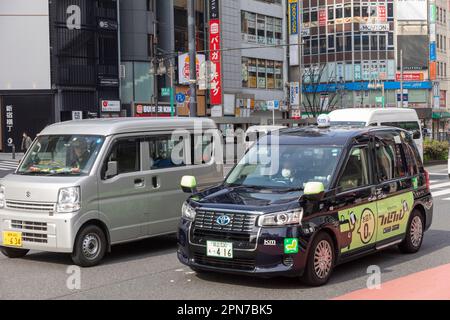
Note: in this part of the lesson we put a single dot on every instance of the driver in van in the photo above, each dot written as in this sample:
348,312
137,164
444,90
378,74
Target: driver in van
80,154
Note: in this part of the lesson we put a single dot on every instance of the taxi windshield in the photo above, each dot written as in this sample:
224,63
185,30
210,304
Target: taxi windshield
72,155
287,167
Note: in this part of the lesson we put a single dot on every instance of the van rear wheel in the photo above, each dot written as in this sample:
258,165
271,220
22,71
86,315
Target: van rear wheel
90,247
14,253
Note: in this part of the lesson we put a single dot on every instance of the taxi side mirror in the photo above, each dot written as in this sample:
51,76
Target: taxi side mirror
189,184
416,135
314,191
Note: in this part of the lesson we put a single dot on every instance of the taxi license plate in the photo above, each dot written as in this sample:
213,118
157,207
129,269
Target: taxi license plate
219,249
12,239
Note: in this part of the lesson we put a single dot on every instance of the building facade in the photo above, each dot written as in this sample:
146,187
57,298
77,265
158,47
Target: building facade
61,63
355,52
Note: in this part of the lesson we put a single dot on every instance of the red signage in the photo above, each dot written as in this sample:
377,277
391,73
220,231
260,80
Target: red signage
382,15
410,76
144,110
322,17
215,57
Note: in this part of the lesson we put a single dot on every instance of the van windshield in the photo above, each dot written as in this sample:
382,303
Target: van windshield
61,155
288,167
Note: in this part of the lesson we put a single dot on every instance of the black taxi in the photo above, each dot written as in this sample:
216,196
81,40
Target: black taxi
304,200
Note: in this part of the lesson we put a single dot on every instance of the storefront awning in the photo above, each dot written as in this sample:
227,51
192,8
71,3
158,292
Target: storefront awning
441,115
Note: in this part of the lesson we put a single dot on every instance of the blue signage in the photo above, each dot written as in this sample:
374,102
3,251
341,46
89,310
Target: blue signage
181,98
364,86
433,55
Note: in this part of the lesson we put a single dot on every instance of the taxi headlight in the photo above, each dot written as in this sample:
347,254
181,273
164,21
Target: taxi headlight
188,212
2,197
69,200
278,219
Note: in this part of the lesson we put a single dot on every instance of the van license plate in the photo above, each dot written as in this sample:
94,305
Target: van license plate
219,249
12,239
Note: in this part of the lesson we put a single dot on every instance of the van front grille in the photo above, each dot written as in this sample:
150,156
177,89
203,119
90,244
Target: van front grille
34,237
28,225
30,206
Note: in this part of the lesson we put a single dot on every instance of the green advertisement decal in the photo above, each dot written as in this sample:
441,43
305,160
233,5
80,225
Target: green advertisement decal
358,226
393,215
373,222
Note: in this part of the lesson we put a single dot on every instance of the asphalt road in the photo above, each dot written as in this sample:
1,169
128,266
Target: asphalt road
150,270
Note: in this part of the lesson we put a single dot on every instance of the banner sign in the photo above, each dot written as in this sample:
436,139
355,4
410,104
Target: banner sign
215,58
293,17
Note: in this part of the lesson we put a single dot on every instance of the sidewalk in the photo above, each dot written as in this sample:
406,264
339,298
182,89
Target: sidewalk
431,284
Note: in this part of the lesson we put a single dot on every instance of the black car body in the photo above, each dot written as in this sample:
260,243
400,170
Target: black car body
357,218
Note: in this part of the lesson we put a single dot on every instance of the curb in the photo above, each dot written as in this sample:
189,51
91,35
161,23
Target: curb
435,162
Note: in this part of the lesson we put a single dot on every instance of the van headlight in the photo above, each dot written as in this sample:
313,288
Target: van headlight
278,219
2,197
188,212
68,200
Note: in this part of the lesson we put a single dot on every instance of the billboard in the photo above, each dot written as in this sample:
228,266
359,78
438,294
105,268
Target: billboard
415,52
25,42
184,67
409,10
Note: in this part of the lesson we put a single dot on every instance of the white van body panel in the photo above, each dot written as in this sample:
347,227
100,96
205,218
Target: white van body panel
255,132
377,116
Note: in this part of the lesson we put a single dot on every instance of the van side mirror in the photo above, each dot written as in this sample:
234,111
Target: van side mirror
314,191
111,170
189,184
416,135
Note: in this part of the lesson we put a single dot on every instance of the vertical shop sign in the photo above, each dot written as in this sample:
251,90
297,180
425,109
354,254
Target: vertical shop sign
215,53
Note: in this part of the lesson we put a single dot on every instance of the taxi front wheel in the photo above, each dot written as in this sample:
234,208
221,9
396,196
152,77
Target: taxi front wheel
14,253
321,259
414,233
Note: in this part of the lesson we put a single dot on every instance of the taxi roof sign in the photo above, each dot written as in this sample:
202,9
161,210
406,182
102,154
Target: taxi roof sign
324,121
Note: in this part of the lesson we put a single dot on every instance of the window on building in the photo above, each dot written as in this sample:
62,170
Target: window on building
261,26
348,43
270,66
357,42
330,13
262,76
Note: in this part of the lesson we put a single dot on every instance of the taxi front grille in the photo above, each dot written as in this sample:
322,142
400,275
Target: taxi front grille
241,229
233,264
30,206
238,222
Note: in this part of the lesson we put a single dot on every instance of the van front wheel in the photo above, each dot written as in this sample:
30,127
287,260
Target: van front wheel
14,253
90,247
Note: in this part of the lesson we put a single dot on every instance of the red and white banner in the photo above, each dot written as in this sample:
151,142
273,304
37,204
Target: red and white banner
408,76
322,17
382,14
215,57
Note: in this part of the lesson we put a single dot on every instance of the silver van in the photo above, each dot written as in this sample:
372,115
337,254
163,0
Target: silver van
84,186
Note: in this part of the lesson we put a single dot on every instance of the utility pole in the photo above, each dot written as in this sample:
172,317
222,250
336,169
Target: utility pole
401,79
192,59
300,53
